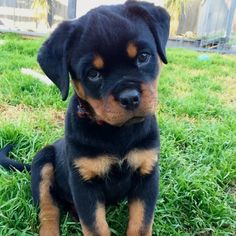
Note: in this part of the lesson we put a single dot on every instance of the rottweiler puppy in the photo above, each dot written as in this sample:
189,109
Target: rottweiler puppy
110,149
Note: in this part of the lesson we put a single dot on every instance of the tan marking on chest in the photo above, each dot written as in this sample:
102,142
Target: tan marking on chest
144,160
90,168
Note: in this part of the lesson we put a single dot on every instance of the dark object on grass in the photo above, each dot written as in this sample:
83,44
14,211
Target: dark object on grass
11,164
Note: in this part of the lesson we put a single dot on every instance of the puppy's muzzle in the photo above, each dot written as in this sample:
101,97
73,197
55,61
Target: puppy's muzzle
128,94
129,99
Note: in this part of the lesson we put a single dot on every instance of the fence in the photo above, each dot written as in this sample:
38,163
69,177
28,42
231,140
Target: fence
206,25
23,15
201,24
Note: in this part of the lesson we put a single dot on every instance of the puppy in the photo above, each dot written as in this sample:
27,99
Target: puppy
110,149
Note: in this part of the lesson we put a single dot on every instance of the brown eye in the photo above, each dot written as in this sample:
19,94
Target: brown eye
94,75
143,59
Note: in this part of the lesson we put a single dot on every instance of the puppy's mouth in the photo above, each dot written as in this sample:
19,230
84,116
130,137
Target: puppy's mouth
134,120
131,121
85,110
119,112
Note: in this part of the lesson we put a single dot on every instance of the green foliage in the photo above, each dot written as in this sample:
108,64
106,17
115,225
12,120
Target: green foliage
175,7
197,119
41,9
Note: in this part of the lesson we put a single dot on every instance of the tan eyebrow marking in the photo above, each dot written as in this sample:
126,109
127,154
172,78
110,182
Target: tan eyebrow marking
132,50
98,62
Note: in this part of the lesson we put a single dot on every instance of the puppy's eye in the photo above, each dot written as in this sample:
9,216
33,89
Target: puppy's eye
143,59
94,75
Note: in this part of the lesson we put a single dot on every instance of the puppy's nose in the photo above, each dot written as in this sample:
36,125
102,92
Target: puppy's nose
129,99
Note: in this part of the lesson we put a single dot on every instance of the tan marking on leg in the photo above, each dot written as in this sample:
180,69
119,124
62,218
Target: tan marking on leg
136,217
148,229
101,223
132,50
144,160
90,168
101,226
49,212
85,229
98,62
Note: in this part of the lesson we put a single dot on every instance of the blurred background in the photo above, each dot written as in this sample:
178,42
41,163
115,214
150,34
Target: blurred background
198,24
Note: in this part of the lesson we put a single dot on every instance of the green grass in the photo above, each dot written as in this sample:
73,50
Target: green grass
197,118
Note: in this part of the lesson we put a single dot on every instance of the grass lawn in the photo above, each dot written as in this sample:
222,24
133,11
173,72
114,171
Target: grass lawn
197,118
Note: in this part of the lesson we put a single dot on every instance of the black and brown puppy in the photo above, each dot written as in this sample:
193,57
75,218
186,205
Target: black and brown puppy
111,143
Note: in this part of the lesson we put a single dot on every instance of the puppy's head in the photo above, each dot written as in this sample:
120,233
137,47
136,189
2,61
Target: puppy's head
113,55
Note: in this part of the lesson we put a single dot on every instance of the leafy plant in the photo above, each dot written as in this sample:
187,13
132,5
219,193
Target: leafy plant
175,7
41,9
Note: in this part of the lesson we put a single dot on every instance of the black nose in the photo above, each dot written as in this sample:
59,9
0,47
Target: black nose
129,99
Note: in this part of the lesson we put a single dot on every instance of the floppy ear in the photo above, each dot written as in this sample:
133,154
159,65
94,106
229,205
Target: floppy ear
52,57
158,21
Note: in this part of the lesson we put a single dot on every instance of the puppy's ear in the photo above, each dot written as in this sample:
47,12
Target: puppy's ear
158,21
53,57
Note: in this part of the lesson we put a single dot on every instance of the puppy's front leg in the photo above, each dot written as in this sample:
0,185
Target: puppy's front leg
142,200
89,203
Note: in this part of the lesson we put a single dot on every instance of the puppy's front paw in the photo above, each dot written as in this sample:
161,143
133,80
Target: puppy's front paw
49,229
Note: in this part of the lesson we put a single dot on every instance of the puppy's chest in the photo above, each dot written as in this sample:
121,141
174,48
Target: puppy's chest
142,161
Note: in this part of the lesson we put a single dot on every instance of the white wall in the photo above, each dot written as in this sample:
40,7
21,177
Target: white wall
84,6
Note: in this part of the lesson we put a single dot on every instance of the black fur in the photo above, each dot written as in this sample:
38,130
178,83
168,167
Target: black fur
102,30
69,51
10,164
